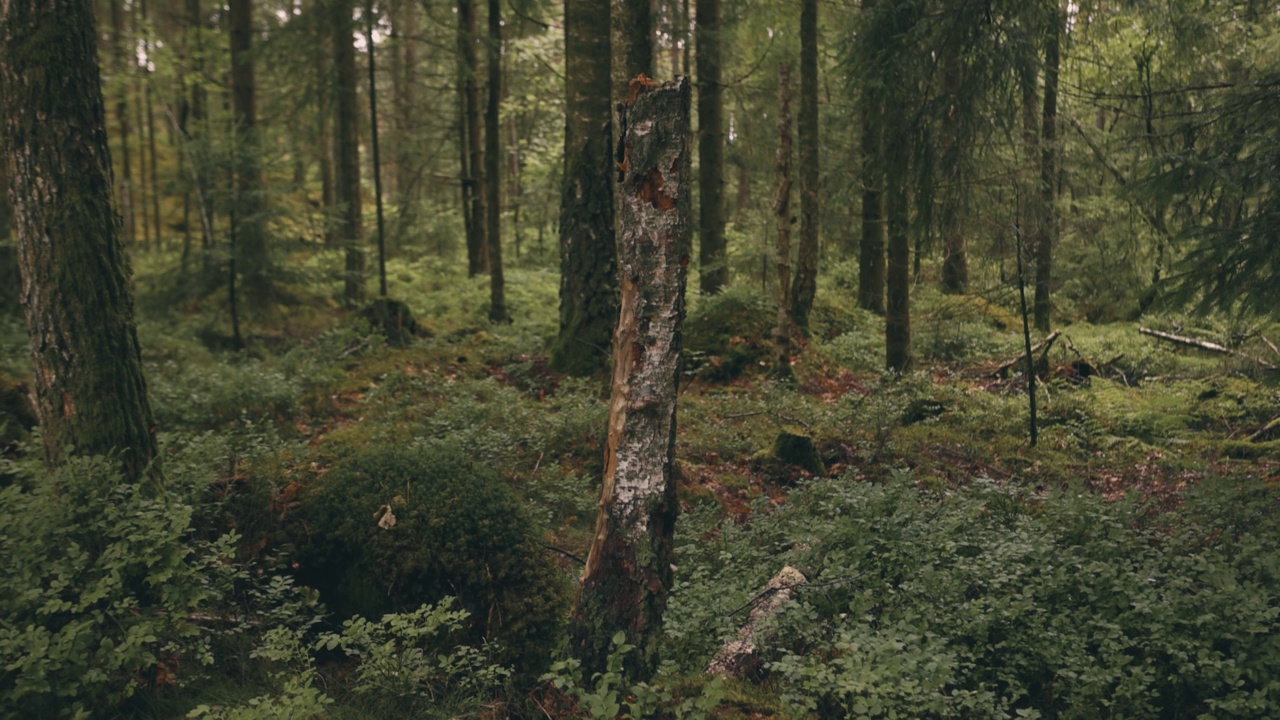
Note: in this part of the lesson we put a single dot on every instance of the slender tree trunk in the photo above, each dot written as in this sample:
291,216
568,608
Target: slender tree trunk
90,394
493,167
406,95
897,324
632,28
871,248
685,16
1048,173
347,155
782,213
140,190
325,91
121,64
249,227
588,253
712,251
628,572
377,156
469,69
151,127
806,281
871,267
955,260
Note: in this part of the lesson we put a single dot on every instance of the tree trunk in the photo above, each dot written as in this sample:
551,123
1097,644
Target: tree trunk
782,214
468,69
250,231
871,259
325,92
897,325
121,64
89,390
628,573
955,260
406,103
151,129
588,253
492,167
374,149
712,251
347,151
806,281
1048,173
632,45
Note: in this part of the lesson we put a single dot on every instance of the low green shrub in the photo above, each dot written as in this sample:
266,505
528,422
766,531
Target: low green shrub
100,580
727,333
392,528
994,601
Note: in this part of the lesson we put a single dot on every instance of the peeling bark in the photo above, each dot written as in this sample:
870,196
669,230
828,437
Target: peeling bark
628,573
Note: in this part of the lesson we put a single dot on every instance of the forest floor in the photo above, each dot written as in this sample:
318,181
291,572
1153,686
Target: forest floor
1122,417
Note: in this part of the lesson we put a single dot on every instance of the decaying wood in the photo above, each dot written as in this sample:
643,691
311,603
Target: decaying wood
1202,345
628,571
736,655
1268,432
1041,347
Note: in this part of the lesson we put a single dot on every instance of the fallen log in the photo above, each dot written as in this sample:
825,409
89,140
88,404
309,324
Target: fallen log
737,656
1202,345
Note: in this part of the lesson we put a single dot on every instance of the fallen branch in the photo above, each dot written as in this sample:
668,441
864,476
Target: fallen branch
1270,344
736,655
1041,347
1271,428
1202,345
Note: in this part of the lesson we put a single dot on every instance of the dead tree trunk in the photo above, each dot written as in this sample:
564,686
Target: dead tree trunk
628,574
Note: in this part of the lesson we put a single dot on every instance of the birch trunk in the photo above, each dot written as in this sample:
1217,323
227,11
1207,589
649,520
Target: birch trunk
628,573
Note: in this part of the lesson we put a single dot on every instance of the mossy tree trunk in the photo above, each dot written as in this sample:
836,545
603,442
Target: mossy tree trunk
806,275
588,252
88,384
628,573
712,250
347,151
493,165
782,214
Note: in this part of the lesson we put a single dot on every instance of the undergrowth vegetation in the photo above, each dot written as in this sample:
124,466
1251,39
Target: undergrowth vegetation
350,529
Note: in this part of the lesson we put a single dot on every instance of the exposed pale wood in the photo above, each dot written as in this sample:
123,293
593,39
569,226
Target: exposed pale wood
1202,345
736,655
628,573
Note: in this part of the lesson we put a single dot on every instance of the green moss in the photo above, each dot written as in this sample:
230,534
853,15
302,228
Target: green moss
394,527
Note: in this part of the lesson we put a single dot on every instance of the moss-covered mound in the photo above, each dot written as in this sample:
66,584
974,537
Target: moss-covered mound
393,528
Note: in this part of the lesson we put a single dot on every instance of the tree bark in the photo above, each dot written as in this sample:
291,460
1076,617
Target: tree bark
347,152
871,258
468,69
588,253
806,280
90,394
955,259
628,573
712,251
406,102
782,214
250,230
1048,172
492,167
374,149
121,63
897,326
631,24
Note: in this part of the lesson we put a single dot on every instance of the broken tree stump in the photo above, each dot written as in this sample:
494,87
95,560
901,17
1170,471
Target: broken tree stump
628,573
